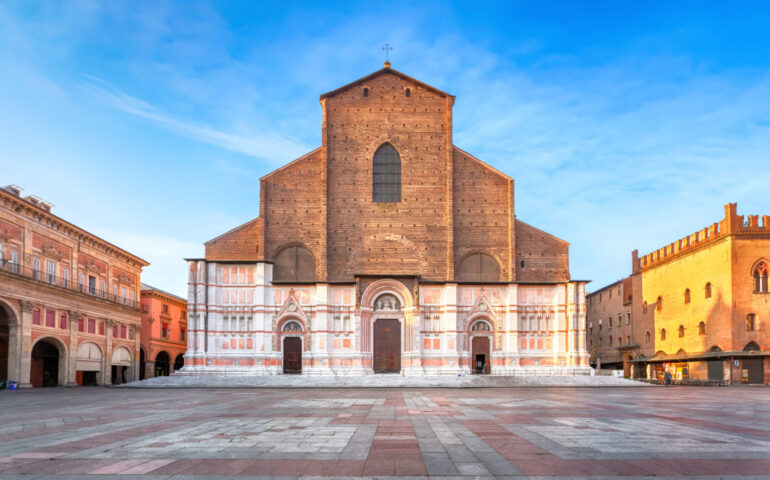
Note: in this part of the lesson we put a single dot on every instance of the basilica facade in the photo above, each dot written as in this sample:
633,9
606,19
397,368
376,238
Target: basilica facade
386,249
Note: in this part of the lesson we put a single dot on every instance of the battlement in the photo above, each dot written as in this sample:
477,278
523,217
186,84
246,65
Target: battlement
732,224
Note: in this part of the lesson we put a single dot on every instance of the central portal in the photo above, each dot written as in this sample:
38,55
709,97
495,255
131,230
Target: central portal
387,346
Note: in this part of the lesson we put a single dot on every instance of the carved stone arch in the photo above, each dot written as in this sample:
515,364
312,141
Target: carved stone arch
60,365
479,266
387,285
405,315
752,347
294,262
278,332
759,263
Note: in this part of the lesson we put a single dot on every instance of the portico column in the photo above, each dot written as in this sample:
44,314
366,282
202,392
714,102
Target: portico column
14,351
72,367
107,373
25,343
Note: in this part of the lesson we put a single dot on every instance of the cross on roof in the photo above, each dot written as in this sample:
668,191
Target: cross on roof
387,49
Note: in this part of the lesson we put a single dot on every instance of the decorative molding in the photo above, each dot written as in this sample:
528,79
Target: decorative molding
26,306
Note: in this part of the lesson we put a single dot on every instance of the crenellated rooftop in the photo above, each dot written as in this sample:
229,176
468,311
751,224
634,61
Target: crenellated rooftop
732,224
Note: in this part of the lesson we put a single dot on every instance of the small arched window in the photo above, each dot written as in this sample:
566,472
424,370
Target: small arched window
707,290
681,331
659,302
408,92
751,321
662,333
687,296
644,308
647,337
366,92
701,328
760,277
386,175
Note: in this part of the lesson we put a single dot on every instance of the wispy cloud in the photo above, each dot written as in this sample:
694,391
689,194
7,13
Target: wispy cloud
271,147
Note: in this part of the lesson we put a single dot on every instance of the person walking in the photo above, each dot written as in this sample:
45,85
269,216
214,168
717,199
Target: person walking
667,378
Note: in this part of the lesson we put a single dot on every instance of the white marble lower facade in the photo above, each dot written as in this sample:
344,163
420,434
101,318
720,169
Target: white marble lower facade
240,323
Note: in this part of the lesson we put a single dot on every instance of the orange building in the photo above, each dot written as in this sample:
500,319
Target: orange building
69,313
700,307
164,332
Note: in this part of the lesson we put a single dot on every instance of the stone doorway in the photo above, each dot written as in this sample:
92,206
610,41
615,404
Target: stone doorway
292,355
387,346
162,366
480,355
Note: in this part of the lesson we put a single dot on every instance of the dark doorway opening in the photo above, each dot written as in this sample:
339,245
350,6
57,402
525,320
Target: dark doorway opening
142,364
178,362
292,355
87,379
480,355
387,346
44,368
162,364
716,370
119,374
754,371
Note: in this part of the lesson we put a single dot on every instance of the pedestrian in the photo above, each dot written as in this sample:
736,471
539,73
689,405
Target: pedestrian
667,377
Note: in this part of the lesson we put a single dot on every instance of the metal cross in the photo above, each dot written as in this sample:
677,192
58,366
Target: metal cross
387,49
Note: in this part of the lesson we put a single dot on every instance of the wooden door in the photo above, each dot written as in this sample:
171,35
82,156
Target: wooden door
755,370
387,345
292,355
480,355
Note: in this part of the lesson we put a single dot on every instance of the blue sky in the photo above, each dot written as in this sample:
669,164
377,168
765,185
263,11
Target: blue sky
625,125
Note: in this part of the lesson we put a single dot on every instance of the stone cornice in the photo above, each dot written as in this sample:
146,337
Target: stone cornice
40,216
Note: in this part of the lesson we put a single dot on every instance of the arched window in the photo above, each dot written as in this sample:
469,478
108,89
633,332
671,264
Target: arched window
659,301
707,290
662,333
478,267
751,321
647,337
751,347
366,92
644,308
687,295
760,277
386,175
681,331
294,264
610,339
408,92
701,328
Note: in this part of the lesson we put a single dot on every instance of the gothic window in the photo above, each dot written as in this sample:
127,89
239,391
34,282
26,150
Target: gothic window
386,175
644,307
294,264
701,328
751,321
760,277
408,92
687,295
707,293
481,326
478,267
292,327
387,302
647,337
681,331
662,333
659,302
366,92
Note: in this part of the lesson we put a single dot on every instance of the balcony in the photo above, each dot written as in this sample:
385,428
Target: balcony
65,283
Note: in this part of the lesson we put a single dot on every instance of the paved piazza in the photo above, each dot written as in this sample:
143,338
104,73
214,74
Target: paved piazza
666,432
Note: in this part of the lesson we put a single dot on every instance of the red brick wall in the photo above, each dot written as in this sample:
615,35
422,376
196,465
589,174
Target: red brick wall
483,213
412,236
241,243
545,257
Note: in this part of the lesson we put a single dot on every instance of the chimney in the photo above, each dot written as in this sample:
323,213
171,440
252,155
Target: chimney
13,190
635,261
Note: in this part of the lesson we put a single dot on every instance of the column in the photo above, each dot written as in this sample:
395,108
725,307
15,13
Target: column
25,343
72,369
107,362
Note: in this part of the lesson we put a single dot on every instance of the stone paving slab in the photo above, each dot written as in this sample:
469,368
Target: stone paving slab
442,433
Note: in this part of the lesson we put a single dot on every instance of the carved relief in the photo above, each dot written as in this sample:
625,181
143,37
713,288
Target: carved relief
26,306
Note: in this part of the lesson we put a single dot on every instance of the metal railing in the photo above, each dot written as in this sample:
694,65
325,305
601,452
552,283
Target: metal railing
67,283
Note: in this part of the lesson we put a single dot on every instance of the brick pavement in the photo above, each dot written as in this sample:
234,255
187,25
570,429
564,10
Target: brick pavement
597,433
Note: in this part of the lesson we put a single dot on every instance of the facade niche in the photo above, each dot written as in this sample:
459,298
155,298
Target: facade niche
478,267
294,264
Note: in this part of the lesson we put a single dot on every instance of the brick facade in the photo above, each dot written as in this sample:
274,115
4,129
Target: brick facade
322,250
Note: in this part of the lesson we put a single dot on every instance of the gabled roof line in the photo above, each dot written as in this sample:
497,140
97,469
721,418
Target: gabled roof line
232,230
381,72
293,162
485,164
543,232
